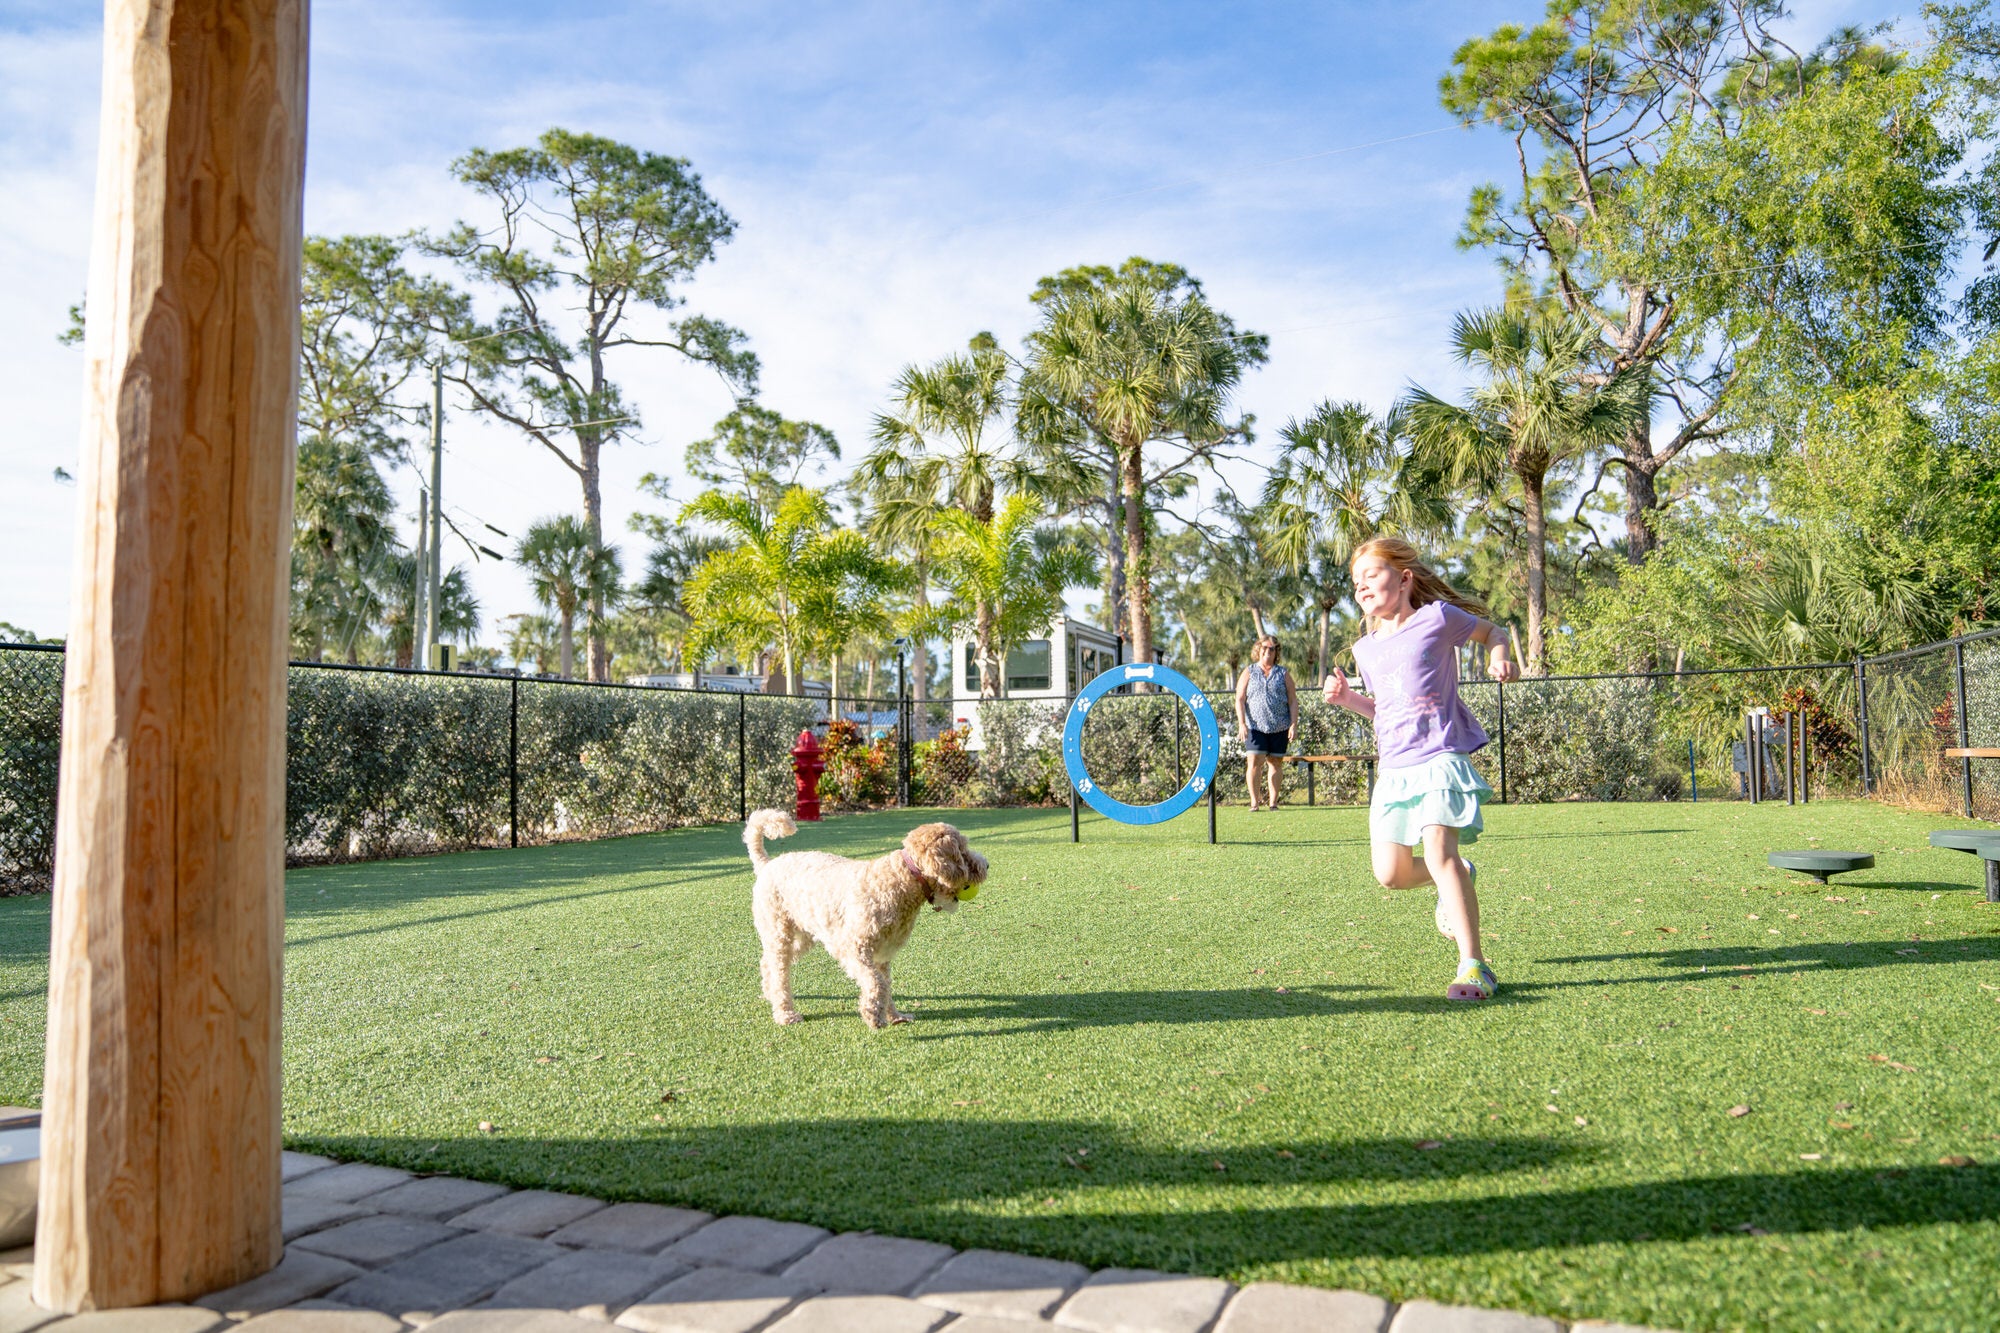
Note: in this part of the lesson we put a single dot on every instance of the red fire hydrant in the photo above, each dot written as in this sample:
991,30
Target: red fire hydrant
806,767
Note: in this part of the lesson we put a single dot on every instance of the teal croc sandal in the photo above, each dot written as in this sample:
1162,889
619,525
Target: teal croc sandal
1475,982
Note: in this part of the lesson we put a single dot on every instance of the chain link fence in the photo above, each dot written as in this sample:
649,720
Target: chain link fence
1924,702
387,763
30,743
384,763
1666,735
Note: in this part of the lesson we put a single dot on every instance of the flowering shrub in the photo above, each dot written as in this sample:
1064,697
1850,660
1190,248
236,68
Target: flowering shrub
1829,739
857,773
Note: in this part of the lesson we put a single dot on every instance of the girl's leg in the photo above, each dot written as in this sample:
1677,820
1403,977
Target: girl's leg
1396,868
1274,776
1456,901
1250,777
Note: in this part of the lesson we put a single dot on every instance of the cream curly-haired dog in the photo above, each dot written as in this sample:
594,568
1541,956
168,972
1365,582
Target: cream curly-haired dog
861,912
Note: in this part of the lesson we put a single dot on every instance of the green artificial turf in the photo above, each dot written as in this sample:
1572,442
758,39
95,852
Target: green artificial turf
1236,1059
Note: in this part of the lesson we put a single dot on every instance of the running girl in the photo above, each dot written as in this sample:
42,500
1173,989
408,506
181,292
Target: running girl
1427,794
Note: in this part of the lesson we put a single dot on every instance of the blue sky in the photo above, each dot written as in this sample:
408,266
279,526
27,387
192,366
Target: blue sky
901,174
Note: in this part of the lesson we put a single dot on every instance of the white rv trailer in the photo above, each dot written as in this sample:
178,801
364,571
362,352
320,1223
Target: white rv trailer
729,682
1055,665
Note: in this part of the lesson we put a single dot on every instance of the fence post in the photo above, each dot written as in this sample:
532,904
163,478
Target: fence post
1791,757
1694,783
1178,782
1500,704
1074,831
1861,717
743,757
1753,767
1964,726
514,762
1805,764
905,724
1211,814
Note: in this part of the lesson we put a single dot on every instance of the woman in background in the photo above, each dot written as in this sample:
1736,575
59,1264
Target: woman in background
1267,715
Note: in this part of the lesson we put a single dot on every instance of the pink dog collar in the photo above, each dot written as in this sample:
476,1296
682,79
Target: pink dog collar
915,869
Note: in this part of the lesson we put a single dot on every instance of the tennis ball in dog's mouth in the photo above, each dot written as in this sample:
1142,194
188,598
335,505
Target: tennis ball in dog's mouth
968,893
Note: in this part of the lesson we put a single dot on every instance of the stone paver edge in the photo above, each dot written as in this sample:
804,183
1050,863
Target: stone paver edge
1474,1317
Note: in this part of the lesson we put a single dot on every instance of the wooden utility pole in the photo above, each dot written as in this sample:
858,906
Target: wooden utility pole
160,1167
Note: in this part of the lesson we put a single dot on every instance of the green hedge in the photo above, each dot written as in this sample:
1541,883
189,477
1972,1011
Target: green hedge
390,763
30,742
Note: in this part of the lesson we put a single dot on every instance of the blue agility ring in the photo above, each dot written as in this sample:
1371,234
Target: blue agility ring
1204,769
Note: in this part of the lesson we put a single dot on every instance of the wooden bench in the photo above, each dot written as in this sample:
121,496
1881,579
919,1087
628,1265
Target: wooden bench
1965,754
1313,761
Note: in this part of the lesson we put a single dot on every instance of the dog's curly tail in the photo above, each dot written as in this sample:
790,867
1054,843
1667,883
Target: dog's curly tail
764,824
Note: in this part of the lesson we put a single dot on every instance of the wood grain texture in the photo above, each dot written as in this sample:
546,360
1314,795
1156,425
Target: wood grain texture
160,1173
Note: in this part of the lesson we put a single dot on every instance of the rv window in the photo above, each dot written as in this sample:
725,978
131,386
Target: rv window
1028,665
971,669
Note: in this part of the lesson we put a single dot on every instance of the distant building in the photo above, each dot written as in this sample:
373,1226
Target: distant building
728,682
1055,666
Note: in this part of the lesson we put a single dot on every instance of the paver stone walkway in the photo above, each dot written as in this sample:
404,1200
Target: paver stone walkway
370,1249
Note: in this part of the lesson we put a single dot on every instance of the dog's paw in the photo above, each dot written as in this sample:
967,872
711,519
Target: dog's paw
788,1018
898,1018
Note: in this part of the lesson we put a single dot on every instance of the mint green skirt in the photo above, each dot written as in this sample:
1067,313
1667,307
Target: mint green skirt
1443,790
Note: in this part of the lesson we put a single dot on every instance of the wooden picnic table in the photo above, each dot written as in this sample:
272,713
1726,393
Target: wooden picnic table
1313,761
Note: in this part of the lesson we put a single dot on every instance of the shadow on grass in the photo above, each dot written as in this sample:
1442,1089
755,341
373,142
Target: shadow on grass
646,861
1601,835
1900,885
1725,962
1087,1191
558,873
1012,1015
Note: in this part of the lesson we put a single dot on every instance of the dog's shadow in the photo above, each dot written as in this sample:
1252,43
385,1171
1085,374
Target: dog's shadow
990,1015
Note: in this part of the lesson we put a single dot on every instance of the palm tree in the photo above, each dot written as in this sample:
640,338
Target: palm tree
938,450
1342,478
532,638
1003,580
395,588
1812,604
659,596
568,571
343,519
1137,358
1542,406
787,581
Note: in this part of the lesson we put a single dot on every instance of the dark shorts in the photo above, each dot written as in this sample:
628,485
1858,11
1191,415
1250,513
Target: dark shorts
1266,742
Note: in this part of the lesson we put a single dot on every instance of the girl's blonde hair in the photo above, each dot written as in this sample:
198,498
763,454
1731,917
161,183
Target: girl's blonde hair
1426,587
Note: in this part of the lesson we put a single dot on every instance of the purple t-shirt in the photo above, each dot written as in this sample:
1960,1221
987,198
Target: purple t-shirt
1413,675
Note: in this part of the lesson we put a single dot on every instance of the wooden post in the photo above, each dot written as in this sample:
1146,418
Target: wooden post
160,1167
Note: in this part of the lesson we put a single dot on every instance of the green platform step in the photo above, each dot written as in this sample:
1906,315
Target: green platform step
1822,864
1983,843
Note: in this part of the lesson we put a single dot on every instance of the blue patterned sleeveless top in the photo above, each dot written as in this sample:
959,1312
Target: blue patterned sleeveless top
1264,702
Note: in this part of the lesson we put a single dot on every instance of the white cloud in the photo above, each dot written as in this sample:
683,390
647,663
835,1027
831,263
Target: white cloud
901,175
